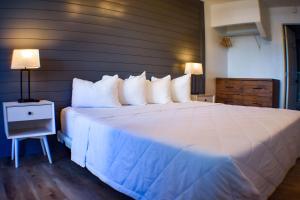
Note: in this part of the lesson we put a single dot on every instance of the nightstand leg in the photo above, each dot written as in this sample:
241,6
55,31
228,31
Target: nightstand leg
12,149
16,141
43,146
47,149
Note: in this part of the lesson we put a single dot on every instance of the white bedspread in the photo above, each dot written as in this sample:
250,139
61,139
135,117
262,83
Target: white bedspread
188,151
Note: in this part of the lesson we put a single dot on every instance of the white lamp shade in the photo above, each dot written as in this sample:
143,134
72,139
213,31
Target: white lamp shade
25,59
193,68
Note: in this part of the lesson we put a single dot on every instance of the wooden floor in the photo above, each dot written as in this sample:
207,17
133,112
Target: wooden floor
36,179
290,187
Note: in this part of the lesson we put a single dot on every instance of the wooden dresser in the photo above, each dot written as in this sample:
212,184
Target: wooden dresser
248,92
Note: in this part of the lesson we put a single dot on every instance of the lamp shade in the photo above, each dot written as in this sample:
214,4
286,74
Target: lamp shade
25,59
193,68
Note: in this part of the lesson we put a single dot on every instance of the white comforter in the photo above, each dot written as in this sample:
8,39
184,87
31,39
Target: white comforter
188,151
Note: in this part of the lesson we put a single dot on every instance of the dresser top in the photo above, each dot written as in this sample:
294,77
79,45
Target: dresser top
15,103
249,79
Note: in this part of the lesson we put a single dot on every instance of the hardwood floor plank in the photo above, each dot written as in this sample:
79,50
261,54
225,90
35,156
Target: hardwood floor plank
43,184
2,188
289,189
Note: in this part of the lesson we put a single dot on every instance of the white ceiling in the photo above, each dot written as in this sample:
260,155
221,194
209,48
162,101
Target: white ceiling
279,3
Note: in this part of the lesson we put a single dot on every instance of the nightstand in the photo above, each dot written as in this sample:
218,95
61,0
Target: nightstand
29,120
204,98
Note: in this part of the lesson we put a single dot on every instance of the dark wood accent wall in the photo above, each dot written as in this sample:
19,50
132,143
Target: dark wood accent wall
86,39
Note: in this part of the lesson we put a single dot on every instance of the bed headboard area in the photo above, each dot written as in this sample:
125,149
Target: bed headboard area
87,39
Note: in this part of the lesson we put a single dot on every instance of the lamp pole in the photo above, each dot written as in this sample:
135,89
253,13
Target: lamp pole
21,85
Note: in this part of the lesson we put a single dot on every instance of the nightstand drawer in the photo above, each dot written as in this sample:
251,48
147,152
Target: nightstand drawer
206,99
25,113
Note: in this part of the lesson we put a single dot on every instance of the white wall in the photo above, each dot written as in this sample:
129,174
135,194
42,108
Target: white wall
216,55
247,60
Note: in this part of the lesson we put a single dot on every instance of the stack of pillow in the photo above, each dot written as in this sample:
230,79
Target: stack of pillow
111,91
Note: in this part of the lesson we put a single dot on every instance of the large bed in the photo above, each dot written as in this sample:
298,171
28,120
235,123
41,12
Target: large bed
186,151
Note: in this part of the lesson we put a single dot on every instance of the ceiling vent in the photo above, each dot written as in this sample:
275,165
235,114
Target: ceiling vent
244,17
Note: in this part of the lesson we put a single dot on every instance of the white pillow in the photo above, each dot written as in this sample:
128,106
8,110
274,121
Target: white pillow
181,89
120,86
103,93
132,91
141,75
159,90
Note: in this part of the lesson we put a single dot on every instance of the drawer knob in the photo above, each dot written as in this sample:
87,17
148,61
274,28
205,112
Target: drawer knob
30,113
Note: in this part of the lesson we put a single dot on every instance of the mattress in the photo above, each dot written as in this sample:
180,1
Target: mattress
67,117
192,150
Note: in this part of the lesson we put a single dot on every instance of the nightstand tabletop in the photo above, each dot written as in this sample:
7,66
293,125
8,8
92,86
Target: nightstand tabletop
15,103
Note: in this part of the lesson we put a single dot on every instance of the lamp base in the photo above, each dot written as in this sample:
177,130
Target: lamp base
28,100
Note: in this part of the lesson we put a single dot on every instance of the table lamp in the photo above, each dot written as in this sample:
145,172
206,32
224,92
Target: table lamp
25,60
195,69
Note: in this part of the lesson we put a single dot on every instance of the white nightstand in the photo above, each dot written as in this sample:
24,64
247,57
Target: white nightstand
204,98
29,120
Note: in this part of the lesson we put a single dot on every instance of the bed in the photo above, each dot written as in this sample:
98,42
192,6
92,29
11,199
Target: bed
192,150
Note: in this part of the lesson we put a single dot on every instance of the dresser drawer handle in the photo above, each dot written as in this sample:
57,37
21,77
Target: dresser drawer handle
257,88
229,87
30,113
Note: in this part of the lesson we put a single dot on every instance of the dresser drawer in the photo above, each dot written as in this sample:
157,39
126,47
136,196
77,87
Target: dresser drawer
258,88
258,101
228,86
229,99
25,113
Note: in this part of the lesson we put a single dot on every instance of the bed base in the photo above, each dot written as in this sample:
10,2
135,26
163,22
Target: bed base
64,139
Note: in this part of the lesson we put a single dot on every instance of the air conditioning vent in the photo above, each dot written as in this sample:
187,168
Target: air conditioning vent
244,17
